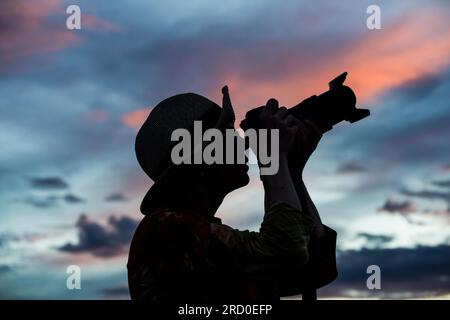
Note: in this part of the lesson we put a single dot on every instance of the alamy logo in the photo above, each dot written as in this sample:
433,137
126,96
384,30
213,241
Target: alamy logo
74,279
373,22
73,21
215,147
374,280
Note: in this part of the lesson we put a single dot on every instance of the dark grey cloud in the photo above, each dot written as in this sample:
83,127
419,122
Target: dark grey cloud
422,87
102,241
50,201
408,271
5,269
48,183
44,202
422,142
71,198
3,240
116,197
375,240
442,183
428,194
407,208
170,56
6,238
403,134
401,207
351,168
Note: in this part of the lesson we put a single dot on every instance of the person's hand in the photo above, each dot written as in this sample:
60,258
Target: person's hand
273,117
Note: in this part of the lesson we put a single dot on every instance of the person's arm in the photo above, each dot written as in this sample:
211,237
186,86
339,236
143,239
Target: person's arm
282,241
321,266
279,187
306,202
280,245
320,269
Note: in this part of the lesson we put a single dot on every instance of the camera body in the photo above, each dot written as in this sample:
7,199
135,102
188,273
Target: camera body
325,110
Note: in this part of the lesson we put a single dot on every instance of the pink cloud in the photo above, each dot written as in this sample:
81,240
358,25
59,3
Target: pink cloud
413,47
27,28
135,119
417,46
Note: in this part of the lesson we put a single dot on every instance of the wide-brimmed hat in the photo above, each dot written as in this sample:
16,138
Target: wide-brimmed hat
153,141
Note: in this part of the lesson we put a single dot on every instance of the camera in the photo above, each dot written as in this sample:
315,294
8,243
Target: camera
325,110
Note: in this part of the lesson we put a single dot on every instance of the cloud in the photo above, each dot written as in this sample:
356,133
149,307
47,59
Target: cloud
48,183
3,241
428,194
420,142
42,202
375,240
96,115
6,238
26,28
135,118
351,168
421,87
402,207
376,62
405,272
265,62
116,197
71,198
53,184
50,201
4,269
400,64
442,183
407,208
438,213
102,241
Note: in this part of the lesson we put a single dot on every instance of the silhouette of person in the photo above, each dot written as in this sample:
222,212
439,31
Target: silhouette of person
182,252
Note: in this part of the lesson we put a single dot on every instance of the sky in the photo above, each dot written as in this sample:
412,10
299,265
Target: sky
71,102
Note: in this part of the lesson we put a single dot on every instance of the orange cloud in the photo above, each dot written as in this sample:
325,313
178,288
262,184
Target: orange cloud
135,118
378,60
417,46
26,28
